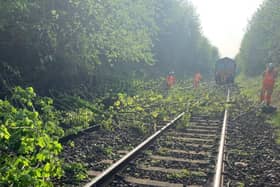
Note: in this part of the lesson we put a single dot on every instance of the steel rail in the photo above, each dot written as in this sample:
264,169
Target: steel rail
218,178
109,173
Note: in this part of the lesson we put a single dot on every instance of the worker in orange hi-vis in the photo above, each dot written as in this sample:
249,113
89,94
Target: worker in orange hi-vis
197,78
170,79
269,77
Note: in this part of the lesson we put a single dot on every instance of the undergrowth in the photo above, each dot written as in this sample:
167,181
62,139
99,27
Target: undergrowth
250,87
275,121
29,146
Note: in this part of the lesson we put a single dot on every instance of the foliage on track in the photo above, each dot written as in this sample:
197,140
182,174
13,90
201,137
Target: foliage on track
31,126
155,107
136,116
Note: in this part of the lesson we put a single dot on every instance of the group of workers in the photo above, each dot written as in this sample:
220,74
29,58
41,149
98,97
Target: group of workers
170,79
268,82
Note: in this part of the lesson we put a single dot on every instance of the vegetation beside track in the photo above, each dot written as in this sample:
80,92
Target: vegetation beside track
29,146
252,153
259,47
251,88
275,118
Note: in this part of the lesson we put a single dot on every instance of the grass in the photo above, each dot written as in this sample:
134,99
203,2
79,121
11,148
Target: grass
163,151
240,184
275,121
250,87
179,175
185,173
238,152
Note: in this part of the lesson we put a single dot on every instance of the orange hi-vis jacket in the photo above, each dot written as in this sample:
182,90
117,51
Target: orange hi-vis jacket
170,80
269,79
197,77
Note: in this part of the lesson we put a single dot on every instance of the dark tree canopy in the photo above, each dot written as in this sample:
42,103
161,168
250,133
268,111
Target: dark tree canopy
67,43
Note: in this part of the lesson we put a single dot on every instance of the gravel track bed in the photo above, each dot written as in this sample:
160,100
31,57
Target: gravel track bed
194,170
253,158
92,148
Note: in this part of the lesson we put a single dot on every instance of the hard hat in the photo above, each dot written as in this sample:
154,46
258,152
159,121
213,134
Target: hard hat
270,66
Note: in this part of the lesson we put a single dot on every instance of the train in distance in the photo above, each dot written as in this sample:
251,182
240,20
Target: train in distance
225,71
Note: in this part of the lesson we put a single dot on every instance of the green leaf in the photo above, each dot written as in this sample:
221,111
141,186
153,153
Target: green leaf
139,109
40,157
47,167
155,114
4,133
117,103
41,142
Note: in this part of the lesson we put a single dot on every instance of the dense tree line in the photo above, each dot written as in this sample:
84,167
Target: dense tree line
261,43
68,43
72,50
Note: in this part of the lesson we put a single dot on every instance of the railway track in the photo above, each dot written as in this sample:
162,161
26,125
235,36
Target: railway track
172,157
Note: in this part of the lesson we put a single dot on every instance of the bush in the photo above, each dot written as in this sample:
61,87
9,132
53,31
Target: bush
29,144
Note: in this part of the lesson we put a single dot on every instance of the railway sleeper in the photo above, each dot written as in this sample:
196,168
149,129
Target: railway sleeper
190,139
210,126
214,121
189,134
207,167
187,152
156,158
183,176
184,145
170,170
148,182
201,131
205,127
